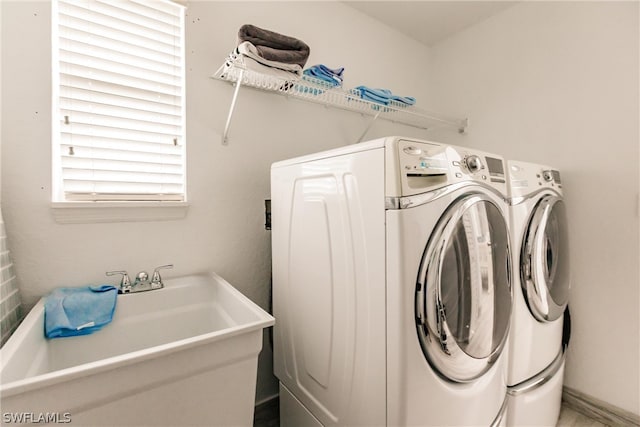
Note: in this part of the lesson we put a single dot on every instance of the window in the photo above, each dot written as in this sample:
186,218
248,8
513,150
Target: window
118,113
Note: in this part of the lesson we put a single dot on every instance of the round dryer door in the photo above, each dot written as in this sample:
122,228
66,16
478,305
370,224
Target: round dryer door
544,266
463,294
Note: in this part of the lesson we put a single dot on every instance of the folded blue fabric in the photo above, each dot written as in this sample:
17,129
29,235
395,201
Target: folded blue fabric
325,79
332,76
409,100
321,69
78,311
380,96
383,96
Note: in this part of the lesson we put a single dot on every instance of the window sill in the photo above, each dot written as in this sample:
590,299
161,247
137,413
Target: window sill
95,212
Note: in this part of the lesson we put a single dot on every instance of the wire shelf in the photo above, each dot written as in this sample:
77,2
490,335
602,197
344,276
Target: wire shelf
310,89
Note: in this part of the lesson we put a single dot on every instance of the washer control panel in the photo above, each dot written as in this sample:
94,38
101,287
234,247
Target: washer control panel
426,165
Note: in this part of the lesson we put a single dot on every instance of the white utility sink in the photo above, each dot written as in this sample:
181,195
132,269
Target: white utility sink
182,355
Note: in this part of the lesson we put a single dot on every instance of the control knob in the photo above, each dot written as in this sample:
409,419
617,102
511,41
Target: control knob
473,163
547,175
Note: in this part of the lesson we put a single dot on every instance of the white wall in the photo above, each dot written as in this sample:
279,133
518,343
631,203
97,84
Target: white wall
557,83
1,71
0,110
223,230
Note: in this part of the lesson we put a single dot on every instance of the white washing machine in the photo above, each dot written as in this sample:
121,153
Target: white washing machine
391,286
541,292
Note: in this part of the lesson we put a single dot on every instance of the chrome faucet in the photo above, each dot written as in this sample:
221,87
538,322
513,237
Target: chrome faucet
125,283
156,280
142,282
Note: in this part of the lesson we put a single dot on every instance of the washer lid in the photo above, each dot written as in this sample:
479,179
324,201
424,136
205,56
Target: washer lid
463,293
544,270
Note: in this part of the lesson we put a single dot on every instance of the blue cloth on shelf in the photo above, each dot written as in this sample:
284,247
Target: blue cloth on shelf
380,96
78,311
383,96
332,76
409,100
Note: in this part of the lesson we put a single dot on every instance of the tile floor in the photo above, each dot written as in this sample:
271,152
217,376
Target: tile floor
267,416
571,418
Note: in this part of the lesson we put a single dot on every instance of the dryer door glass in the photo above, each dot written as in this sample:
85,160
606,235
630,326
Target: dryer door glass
463,298
545,260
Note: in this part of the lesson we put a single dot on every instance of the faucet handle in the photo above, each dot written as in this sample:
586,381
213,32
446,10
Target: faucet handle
155,278
125,283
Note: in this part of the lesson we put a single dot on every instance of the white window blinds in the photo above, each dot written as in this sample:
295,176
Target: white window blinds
119,106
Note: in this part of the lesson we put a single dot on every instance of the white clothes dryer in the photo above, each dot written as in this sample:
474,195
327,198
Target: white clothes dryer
541,292
391,285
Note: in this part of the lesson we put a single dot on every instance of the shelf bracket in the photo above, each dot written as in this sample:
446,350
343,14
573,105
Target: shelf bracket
462,129
225,135
371,122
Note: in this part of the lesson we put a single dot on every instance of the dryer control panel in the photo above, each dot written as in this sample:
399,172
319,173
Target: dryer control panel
526,178
424,166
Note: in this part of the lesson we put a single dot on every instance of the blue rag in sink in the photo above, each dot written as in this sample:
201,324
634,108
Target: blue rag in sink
78,311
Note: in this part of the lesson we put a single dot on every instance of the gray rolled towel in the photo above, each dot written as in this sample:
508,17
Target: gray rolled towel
273,46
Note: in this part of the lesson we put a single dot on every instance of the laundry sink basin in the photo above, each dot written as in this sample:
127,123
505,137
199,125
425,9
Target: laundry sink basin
198,333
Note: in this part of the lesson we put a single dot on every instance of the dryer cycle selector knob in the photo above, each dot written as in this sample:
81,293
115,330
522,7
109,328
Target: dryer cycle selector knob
547,175
473,163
